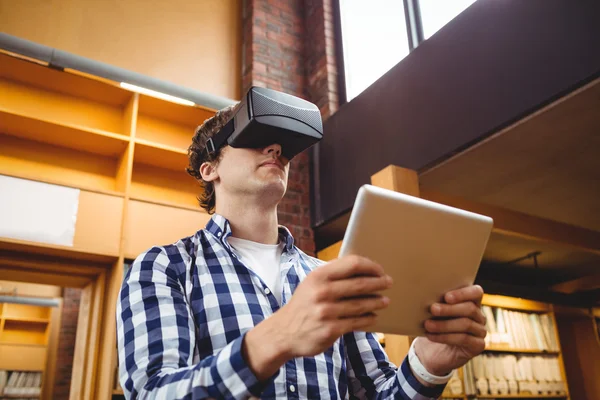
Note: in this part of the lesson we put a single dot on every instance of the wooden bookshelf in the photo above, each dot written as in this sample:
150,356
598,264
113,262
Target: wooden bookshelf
527,307
127,153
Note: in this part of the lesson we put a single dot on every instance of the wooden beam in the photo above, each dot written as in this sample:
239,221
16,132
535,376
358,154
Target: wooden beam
514,223
582,284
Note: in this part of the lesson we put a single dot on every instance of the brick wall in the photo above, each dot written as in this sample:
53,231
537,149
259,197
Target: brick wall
288,46
66,343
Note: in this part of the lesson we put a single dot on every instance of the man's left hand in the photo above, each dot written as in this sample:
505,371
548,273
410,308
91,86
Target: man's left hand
456,332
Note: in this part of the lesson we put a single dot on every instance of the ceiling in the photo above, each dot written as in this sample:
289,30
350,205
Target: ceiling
546,165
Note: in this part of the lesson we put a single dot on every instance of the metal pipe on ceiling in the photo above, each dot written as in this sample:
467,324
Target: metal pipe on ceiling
32,301
61,59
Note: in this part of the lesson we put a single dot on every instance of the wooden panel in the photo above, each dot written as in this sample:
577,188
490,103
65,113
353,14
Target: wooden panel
556,181
60,108
514,223
581,352
22,358
98,227
167,225
39,76
43,162
162,156
165,186
397,179
330,252
141,37
81,343
164,132
514,303
51,355
29,289
65,135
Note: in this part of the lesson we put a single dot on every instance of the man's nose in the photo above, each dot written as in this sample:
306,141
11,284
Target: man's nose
274,148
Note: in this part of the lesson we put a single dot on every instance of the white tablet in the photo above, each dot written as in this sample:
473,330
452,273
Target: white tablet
426,247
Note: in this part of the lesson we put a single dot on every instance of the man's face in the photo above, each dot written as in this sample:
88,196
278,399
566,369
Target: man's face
262,171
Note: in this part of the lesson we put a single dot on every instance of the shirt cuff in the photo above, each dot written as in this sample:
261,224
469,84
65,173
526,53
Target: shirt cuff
413,385
237,379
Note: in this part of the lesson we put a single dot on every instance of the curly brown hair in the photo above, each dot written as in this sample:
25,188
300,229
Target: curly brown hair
198,155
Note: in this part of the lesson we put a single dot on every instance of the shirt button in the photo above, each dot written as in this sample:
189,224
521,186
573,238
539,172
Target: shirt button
218,234
292,388
268,291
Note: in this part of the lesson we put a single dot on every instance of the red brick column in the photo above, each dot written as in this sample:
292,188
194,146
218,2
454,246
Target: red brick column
320,65
66,343
286,47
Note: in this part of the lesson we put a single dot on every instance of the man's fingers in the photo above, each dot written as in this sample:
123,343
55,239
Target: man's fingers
468,310
472,293
456,325
358,286
358,307
350,266
358,323
475,345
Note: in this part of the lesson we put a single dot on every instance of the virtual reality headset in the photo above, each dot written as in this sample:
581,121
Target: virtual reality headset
266,116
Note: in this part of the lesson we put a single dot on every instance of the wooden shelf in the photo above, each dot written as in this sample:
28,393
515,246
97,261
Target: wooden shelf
57,165
20,396
66,135
191,116
510,350
159,155
28,320
516,304
23,344
171,204
42,77
162,185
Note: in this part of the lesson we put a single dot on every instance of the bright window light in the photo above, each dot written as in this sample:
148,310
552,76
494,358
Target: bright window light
437,13
374,40
154,93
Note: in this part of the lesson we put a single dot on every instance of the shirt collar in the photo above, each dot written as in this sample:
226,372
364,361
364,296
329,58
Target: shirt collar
219,226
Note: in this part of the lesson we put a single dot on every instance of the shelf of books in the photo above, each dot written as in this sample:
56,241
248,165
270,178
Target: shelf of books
522,359
24,331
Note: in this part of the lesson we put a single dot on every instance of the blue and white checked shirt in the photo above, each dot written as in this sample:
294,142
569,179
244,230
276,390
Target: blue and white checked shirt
184,310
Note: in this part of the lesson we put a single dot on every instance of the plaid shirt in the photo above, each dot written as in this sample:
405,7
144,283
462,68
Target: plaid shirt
184,310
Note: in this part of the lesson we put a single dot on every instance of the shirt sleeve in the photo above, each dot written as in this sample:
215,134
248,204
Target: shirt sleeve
156,338
372,376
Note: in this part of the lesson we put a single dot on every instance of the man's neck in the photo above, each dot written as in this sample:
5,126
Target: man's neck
255,223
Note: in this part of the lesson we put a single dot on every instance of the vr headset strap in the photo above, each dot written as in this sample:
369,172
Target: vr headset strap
214,143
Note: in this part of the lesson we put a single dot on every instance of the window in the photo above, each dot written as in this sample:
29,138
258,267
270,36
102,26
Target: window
374,39
437,13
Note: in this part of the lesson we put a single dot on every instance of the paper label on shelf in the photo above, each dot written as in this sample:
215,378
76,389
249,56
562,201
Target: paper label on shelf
37,212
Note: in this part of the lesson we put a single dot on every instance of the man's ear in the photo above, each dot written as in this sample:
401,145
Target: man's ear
208,171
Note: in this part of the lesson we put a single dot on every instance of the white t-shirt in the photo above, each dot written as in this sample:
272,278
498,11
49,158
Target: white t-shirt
263,259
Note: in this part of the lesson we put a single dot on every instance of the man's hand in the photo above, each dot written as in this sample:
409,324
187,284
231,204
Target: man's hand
456,333
336,298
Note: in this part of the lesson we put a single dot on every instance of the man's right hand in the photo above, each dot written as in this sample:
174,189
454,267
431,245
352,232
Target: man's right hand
336,298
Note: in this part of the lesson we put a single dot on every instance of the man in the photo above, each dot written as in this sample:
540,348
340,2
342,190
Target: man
237,311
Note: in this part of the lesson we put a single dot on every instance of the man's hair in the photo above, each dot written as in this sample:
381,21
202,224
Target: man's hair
198,155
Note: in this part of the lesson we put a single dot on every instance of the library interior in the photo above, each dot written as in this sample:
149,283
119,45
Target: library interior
487,106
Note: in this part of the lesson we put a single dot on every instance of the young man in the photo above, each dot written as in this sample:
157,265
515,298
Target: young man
237,311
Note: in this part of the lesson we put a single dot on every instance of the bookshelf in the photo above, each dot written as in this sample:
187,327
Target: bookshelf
24,341
522,359
125,152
